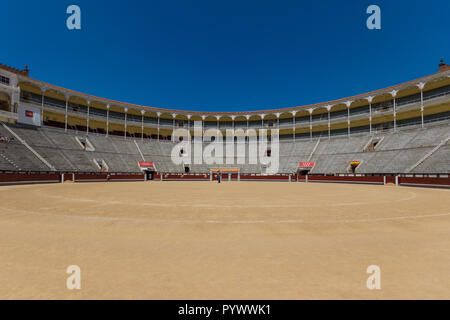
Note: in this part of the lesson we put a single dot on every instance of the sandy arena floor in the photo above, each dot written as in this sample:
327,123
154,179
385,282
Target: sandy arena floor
236,240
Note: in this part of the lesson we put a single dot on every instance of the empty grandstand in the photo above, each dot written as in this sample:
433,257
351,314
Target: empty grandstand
400,130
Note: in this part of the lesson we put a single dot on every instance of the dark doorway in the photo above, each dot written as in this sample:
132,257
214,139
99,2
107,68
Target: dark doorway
353,167
150,175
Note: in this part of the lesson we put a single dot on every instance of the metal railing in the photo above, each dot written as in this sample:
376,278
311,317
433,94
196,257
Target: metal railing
407,105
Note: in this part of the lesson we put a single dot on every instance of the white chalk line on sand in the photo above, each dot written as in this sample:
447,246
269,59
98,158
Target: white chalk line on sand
209,221
411,195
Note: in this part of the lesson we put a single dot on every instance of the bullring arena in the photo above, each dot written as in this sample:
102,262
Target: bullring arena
234,240
361,181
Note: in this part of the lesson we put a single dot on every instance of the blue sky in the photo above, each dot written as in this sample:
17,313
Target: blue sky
225,55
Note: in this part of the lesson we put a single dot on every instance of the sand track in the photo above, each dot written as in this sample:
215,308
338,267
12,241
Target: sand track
236,240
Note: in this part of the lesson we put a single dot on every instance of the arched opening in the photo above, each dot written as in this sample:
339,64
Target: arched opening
301,125
320,122
53,112
285,120
181,121
240,122
225,122
382,112
5,102
270,121
255,121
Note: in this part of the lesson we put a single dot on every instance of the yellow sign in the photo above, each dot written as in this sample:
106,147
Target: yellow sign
225,170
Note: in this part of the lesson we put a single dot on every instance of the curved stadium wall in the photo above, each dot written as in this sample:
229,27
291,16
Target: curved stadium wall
397,130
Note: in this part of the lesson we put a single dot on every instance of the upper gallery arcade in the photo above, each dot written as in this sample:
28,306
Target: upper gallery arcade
411,103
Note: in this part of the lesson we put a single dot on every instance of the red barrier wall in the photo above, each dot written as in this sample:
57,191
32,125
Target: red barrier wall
27,177
90,177
18,177
268,177
185,177
363,179
116,177
424,181
103,177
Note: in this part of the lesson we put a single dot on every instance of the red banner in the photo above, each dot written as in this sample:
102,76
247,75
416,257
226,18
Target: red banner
306,165
29,114
146,164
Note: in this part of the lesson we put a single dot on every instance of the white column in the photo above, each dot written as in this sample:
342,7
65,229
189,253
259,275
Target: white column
369,99
87,118
159,116
203,128
293,124
42,104
421,106
126,114
189,126
247,117
348,104
394,94
278,120
329,122
142,124
13,101
107,119
310,123
218,125
262,122
421,86
173,125
67,109
233,127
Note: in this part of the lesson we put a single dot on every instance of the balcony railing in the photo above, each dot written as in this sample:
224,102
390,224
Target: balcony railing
402,106
9,115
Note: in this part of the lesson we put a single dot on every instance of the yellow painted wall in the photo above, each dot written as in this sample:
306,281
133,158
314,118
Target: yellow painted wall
429,110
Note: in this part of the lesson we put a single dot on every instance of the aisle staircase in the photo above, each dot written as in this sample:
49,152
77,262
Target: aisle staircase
429,154
10,161
52,168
